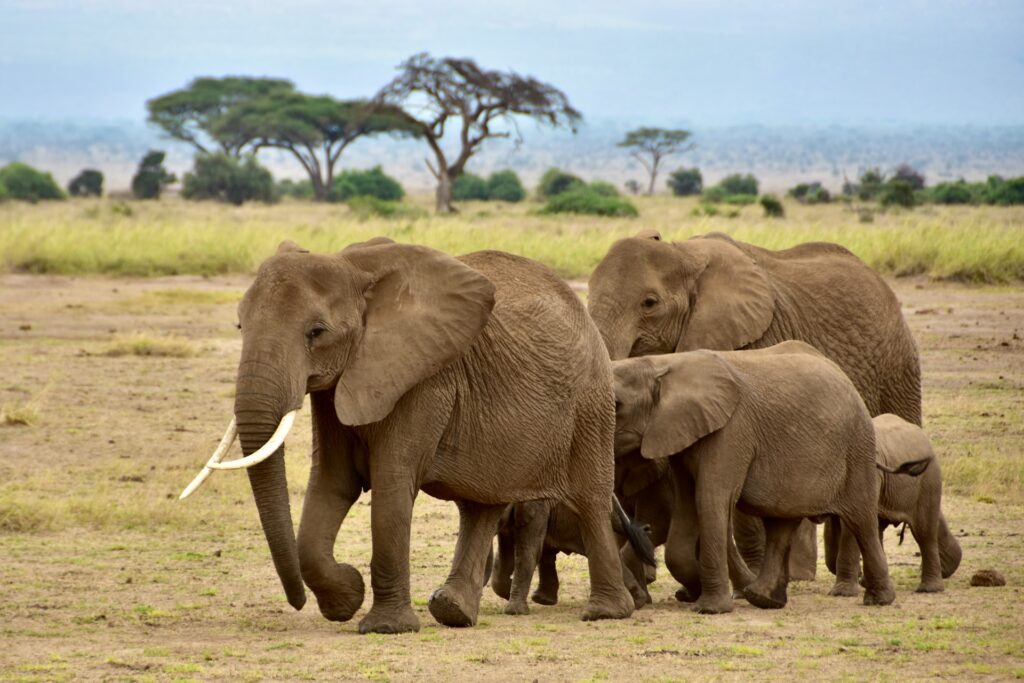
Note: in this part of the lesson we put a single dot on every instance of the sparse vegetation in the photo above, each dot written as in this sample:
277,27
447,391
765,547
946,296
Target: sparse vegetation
19,413
142,344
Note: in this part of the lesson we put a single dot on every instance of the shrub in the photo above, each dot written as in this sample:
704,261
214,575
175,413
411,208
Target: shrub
556,181
585,201
632,186
772,206
369,183
898,192
740,199
88,183
810,193
871,184
300,189
1005,192
603,188
685,182
225,178
958,192
4,196
738,184
505,186
469,186
151,178
21,181
908,173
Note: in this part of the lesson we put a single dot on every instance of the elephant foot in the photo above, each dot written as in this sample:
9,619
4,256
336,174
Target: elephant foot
930,587
764,600
844,589
502,586
544,597
880,596
517,607
640,598
717,605
342,595
684,595
389,620
450,609
618,606
802,574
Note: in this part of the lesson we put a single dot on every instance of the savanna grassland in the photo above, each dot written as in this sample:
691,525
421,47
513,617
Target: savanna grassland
114,389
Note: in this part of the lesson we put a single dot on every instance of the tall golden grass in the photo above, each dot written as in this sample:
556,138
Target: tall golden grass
980,244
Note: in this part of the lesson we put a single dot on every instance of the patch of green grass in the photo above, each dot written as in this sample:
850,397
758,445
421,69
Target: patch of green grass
142,344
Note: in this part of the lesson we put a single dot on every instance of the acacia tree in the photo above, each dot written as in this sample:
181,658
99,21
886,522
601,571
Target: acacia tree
431,92
193,113
651,145
316,129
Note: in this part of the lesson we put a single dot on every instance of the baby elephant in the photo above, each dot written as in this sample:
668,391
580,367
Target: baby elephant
915,500
536,531
779,432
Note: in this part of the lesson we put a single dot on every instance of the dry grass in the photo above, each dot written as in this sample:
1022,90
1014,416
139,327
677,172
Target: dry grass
983,244
19,413
142,344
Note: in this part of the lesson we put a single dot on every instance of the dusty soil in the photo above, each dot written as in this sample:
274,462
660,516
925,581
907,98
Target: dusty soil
105,575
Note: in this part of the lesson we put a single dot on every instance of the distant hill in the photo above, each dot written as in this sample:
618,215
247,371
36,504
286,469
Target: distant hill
779,155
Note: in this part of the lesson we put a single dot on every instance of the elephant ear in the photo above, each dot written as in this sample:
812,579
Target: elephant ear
424,309
734,302
697,396
642,475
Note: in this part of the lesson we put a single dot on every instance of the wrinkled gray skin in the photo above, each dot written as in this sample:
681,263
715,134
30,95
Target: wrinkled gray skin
902,499
648,297
531,534
779,432
479,380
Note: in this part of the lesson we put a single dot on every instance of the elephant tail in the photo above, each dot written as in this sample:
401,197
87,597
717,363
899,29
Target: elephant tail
635,533
914,468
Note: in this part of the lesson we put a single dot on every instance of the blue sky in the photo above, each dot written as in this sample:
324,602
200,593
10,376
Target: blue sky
681,62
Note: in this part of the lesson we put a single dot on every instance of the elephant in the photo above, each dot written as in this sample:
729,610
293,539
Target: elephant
780,432
649,296
907,497
531,534
479,379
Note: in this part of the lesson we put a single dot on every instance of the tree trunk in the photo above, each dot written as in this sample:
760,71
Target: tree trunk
444,192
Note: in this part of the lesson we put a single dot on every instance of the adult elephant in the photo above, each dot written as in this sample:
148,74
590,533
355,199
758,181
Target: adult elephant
649,296
479,380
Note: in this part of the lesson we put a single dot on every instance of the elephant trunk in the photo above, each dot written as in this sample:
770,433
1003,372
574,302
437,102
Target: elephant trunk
616,330
258,411
949,550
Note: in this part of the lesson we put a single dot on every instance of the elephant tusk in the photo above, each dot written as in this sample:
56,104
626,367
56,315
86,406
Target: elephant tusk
222,448
267,450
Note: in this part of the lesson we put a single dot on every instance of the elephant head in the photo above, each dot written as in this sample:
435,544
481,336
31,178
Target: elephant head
368,323
648,296
665,404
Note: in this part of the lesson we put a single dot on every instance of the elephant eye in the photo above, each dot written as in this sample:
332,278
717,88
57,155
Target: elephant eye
315,332
650,302
238,326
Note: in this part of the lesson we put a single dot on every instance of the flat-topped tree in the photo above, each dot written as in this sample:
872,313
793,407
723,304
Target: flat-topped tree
433,91
651,145
316,129
193,113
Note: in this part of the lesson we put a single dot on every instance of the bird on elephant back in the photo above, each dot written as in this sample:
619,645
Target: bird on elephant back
649,296
479,379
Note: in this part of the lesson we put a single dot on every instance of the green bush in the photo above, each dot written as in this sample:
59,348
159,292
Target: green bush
369,183
21,181
772,206
738,184
88,183
685,182
958,192
299,189
1005,192
4,195
632,186
505,186
603,188
151,178
910,174
740,199
225,178
810,193
556,181
871,185
469,186
585,201
898,192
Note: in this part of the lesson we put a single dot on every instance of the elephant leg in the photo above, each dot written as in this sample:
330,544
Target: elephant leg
750,538
681,541
832,532
768,591
609,598
714,508
803,552
863,524
847,562
530,527
547,584
925,529
457,602
739,574
504,558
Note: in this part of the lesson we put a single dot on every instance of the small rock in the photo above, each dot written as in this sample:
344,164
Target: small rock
24,328
217,553
128,580
988,578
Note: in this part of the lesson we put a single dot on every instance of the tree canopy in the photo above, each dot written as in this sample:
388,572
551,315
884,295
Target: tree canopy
193,113
650,145
433,92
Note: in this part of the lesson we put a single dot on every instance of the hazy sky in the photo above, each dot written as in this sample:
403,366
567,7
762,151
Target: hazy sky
696,62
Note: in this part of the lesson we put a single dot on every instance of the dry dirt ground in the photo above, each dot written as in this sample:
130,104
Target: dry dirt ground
104,574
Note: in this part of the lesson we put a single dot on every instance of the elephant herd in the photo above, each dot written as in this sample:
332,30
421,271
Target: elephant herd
711,397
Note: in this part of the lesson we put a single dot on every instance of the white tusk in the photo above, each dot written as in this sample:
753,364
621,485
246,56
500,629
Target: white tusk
218,455
267,450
